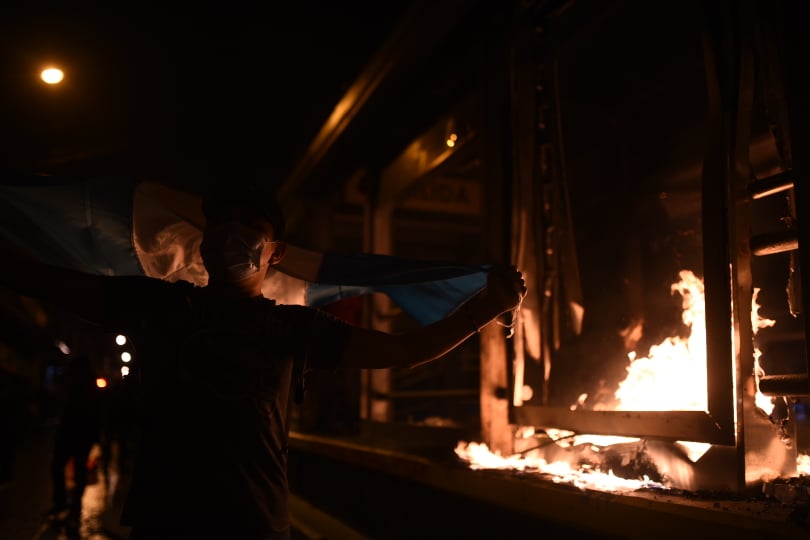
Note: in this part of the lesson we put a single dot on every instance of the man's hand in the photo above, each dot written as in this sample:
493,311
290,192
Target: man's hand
505,288
504,292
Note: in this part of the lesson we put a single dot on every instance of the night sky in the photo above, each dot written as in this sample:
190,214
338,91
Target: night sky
224,90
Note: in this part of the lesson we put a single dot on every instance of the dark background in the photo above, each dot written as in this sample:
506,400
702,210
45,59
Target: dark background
212,92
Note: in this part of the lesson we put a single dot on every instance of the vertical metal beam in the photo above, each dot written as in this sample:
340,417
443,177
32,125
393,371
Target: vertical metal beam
496,430
797,86
526,234
381,409
377,238
726,264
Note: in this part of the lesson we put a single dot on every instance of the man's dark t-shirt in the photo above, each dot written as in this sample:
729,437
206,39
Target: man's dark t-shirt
217,376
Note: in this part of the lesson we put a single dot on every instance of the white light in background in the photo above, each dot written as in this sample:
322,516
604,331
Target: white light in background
62,346
125,356
120,339
52,75
124,371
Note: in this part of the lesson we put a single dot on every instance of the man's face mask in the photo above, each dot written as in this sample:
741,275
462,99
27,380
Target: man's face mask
233,251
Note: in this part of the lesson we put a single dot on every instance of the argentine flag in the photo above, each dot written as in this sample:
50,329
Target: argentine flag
130,226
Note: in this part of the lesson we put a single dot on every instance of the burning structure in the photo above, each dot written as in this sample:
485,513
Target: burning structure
647,182
641,163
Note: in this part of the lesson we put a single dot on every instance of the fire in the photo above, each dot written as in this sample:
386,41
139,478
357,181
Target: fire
757,323
672,377
803,465
479,457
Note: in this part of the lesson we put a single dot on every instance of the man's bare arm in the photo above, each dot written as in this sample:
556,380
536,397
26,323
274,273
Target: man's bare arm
373,349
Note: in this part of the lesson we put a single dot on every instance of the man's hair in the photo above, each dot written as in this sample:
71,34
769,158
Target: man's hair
262,202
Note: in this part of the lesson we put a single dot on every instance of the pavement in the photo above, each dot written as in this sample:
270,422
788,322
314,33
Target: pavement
26,499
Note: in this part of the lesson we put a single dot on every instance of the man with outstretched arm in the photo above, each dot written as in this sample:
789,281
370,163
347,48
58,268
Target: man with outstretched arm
220,363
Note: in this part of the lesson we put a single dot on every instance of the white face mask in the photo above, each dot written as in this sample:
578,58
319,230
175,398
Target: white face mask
233,251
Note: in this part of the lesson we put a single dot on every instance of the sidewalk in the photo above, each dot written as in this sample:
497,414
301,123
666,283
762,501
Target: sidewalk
25,501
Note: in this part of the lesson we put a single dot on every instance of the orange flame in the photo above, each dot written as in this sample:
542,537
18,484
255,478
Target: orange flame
672,376
803,465
757,323
479,457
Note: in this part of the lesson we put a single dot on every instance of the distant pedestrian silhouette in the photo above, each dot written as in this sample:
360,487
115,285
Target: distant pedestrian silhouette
78,430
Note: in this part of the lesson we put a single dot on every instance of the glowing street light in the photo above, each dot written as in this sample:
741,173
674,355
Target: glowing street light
52,75
120,339
126,357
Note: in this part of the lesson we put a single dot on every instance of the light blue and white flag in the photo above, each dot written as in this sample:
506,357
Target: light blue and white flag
128,226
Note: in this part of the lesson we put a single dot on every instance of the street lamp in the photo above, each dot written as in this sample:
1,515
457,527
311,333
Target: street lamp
52,75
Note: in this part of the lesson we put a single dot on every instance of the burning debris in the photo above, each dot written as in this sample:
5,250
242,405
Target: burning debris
584,476
620,463
671,377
